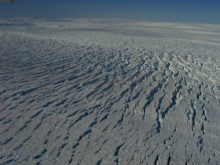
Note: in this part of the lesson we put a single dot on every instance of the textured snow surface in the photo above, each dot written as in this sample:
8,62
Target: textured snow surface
109,92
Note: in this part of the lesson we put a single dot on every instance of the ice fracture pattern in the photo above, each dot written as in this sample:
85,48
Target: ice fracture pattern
109,92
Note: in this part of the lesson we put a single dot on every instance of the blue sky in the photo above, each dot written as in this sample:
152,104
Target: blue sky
203,11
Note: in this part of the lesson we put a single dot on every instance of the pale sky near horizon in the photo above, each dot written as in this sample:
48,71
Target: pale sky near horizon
199,11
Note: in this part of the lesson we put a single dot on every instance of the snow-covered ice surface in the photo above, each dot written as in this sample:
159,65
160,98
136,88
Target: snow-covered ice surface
108,92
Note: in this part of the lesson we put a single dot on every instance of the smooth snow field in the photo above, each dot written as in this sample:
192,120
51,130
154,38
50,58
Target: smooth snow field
109,92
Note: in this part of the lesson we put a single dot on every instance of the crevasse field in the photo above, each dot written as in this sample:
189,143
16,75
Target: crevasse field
109,92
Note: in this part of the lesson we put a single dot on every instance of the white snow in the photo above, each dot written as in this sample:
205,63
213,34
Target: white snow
81,91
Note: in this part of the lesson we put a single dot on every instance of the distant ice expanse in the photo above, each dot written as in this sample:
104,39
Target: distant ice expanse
109,92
